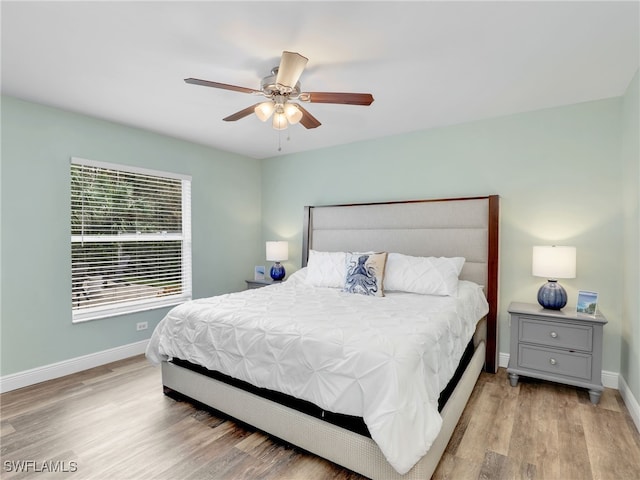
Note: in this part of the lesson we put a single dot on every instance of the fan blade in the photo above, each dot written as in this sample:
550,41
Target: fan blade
334,97
308,120
291,67
241,114
224,86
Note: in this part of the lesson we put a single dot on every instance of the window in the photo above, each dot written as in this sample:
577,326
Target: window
130,239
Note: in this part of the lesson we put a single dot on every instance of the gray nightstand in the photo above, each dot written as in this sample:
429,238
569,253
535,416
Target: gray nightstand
558,345
260,283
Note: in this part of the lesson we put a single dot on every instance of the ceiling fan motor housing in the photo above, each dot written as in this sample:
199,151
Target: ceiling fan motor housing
269,86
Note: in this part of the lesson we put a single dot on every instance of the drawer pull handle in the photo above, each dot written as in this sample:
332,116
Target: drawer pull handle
552,361
553,335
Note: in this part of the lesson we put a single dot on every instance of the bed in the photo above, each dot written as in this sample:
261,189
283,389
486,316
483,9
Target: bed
368,437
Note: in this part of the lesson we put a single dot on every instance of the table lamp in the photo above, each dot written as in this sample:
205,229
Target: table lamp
553,262
277,252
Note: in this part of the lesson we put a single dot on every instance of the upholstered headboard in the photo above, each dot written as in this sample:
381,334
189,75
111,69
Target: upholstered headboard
460,227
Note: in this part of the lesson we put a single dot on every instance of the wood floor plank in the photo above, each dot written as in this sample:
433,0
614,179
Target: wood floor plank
609,401
572,444
191,455
489,432
452,467
521,441
545,424
479,432
613,454
252,442
494,466
6,429
115,422
534,439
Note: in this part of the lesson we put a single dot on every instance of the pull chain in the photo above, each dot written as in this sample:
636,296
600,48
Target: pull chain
280,139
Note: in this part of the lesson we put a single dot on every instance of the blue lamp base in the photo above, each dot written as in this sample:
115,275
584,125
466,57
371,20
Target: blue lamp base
277,272
552,295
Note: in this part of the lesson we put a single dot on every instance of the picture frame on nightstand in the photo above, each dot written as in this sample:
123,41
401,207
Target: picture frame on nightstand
587,302
258,272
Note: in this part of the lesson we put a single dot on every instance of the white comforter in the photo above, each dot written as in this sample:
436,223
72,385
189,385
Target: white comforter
385,359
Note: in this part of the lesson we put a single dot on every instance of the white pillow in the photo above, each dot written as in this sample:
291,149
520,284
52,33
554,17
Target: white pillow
326,269
424,275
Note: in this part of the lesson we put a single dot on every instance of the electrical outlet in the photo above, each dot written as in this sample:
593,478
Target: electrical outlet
142,326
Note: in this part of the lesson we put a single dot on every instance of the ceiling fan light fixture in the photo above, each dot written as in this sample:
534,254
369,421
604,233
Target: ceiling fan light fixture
280,121
293,113
264,110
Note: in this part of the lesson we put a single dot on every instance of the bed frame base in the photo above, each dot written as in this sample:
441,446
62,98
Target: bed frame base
351,450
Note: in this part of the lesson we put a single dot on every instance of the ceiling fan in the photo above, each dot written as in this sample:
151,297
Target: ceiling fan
280,88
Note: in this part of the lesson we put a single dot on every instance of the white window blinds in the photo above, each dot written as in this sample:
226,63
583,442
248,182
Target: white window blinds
130,239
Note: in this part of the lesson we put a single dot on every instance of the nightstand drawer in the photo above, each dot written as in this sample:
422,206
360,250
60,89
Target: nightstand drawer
556,334
568,364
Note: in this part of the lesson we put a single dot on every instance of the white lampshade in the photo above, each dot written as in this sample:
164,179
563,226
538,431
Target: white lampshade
554,262
264,110
293,113
277,251
279,121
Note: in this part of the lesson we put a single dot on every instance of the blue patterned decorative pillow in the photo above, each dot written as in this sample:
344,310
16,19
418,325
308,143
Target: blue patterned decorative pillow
365,272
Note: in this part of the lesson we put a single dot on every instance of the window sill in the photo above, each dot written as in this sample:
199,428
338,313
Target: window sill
86,315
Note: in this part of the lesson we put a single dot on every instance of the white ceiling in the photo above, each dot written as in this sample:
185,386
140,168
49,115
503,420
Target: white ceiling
427,64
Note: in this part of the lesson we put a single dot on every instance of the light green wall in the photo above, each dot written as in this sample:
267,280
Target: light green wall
630,363
37,143
558,172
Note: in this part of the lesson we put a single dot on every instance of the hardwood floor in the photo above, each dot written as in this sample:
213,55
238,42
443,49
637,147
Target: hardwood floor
114,422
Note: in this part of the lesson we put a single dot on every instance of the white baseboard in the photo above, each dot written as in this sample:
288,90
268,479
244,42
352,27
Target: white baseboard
503,360
630,401
611,379
67,367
